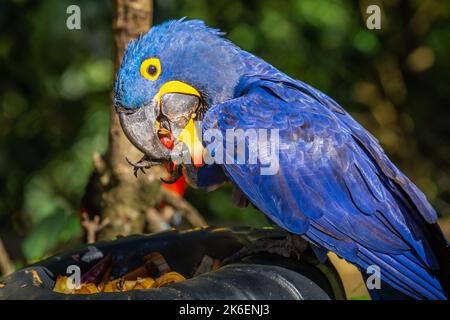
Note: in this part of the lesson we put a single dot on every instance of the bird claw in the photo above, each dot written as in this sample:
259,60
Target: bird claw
141,165
175,175
291,246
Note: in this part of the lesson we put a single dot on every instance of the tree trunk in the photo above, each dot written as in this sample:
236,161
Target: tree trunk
126,204
124,198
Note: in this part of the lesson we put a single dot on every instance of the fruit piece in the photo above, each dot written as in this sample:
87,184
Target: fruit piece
87,288
107,275
61,285
140,272
113,286
96,279
216,265
156,265
95,274
168,278
128,285
37,281
144,283
206,265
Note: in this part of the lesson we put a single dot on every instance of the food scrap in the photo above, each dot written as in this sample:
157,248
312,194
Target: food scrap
154,273
37,281
207,264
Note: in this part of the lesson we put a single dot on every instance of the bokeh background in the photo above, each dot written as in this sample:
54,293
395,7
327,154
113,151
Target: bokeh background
55,91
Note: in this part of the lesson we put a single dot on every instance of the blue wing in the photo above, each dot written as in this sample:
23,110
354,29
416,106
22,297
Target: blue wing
335,186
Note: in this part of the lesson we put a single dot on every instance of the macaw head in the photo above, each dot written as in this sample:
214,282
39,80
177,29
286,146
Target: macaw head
166,82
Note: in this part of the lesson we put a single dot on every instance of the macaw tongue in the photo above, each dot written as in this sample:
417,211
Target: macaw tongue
196,148
167,142
166,138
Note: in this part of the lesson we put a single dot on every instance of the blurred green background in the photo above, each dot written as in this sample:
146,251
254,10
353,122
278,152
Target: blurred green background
55,89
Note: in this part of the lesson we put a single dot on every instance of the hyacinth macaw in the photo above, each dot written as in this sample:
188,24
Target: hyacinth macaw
335,186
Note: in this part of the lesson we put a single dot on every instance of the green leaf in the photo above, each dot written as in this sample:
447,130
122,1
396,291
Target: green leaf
49,232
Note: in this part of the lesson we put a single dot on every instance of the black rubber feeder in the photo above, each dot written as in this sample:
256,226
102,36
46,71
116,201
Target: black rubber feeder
261,275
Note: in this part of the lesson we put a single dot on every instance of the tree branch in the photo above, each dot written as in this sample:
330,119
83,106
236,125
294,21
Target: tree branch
185,208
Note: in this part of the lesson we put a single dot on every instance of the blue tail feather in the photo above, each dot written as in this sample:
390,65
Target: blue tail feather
404,273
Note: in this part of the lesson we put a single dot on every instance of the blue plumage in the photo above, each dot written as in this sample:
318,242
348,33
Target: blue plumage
335,186
339,195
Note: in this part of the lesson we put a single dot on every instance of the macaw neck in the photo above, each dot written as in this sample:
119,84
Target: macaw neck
237,71
256,69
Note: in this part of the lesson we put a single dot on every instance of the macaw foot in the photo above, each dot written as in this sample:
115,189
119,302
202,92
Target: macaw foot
142,164
291,246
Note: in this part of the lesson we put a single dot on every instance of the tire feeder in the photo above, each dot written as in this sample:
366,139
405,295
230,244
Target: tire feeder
261,275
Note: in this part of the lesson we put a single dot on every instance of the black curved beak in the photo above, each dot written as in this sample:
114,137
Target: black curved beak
139,127
155,128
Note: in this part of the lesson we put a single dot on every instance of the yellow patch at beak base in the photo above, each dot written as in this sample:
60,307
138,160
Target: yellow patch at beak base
176,87
189,136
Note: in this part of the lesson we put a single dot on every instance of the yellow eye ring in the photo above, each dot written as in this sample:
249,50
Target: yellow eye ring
151,68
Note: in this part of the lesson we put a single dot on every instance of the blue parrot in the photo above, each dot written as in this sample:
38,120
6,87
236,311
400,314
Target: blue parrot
334,185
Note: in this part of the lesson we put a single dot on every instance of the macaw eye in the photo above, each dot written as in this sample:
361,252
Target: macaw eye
151,68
